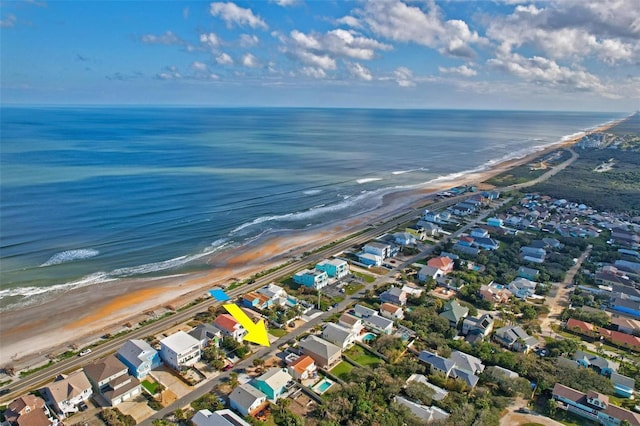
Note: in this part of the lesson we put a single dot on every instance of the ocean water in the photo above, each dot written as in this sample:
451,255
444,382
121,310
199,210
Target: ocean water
90,195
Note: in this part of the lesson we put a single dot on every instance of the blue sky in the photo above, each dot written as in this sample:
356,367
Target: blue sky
564,55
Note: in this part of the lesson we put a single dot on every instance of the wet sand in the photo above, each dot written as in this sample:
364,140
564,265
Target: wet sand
82,315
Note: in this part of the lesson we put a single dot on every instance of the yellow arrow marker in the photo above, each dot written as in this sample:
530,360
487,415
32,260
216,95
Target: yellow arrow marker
256,333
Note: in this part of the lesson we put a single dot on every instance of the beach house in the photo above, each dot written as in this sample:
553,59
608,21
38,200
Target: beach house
111,381
454,312
459,365
391,311
597,363
404,238
273,383
427,414
325,354
312,278
377,248
28,410
495,293
139,357
394,295
335,268
482,326
515,338
302,367
351,322
207,334
230,327
522,287
180,350
66,393
224,417
442,263
372,320
247,400
338,335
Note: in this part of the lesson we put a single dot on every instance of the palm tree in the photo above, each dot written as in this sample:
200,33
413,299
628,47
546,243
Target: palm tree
233,380
552,406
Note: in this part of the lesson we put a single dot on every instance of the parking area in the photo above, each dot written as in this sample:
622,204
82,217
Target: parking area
137,408
170,381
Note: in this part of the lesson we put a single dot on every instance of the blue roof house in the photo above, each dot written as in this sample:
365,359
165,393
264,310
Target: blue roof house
139,357
273,383
622,385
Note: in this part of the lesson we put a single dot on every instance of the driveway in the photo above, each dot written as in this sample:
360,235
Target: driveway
170,381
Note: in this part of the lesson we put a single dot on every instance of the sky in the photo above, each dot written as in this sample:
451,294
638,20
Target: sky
529,55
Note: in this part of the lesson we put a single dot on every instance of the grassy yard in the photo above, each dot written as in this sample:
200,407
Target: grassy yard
278,332
151,387
352,289
341,370
362,357
366,277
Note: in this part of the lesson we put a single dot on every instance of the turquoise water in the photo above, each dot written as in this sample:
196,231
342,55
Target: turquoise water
322,387
368,337
291,301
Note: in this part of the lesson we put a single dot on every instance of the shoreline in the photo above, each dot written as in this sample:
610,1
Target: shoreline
83,314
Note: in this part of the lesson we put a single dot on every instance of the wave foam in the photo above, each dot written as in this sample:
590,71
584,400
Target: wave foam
367,180
312,192
70,256
95,278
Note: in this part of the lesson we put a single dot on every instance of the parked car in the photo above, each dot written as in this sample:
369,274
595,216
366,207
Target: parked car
85,352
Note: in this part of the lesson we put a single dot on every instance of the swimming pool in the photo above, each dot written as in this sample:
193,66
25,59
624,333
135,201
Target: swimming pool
323,386
368,337
291,301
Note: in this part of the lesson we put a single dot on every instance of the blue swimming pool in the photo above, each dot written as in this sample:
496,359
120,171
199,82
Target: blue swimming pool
324,385
292,301
368,337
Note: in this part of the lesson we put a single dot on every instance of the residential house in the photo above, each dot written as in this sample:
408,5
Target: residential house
486,243
419,232
311,278
139,357
111,380
593,406
599,364
180,350
351,322
247,400
391,311
67,392
338,335
505,372
424,413
522,287
404,238
581,327
482,326
217,418
515,338
229,326
412,290
463,209
444,264
626,305
325,354
273,383
479,233
622,385
458,366
464,249
363,312
207,334
302,368
372,320
435,217
276,294
377,248
439,393
369,259
335,268
454,312
255,300
533,254
429,272
394,295
626,325
495,293
495,222
528,273
28,410
428,228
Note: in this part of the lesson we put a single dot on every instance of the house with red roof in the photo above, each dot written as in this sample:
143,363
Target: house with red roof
230,327
302,368
581,327
442,263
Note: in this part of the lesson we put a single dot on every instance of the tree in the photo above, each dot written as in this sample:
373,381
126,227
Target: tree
233,380
419,392
552,406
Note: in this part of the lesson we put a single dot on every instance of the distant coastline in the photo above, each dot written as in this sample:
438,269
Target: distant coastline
85,312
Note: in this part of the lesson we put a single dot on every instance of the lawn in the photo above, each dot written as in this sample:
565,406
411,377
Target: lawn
362,357
151,387
278,332
366,277
341,370
352,289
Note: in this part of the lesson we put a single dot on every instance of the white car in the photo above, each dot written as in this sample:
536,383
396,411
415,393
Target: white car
85,352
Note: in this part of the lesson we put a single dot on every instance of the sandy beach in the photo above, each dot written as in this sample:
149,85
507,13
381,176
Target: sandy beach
83,314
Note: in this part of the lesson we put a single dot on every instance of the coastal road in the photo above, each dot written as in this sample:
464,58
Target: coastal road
384,224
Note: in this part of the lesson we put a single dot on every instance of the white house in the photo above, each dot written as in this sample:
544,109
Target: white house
217,418
377,249
111,380
180,350
65,394
338,335
369,259
522,287
230,327
246,399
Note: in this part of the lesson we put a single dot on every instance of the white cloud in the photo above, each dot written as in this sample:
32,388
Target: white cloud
247,40
404,77
359,71
170,73
166,38
185,12
606,30
210,40
313,72
285,3
250,61
235,15
224,59
396,20
349,21
462,70
199,66
9,21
